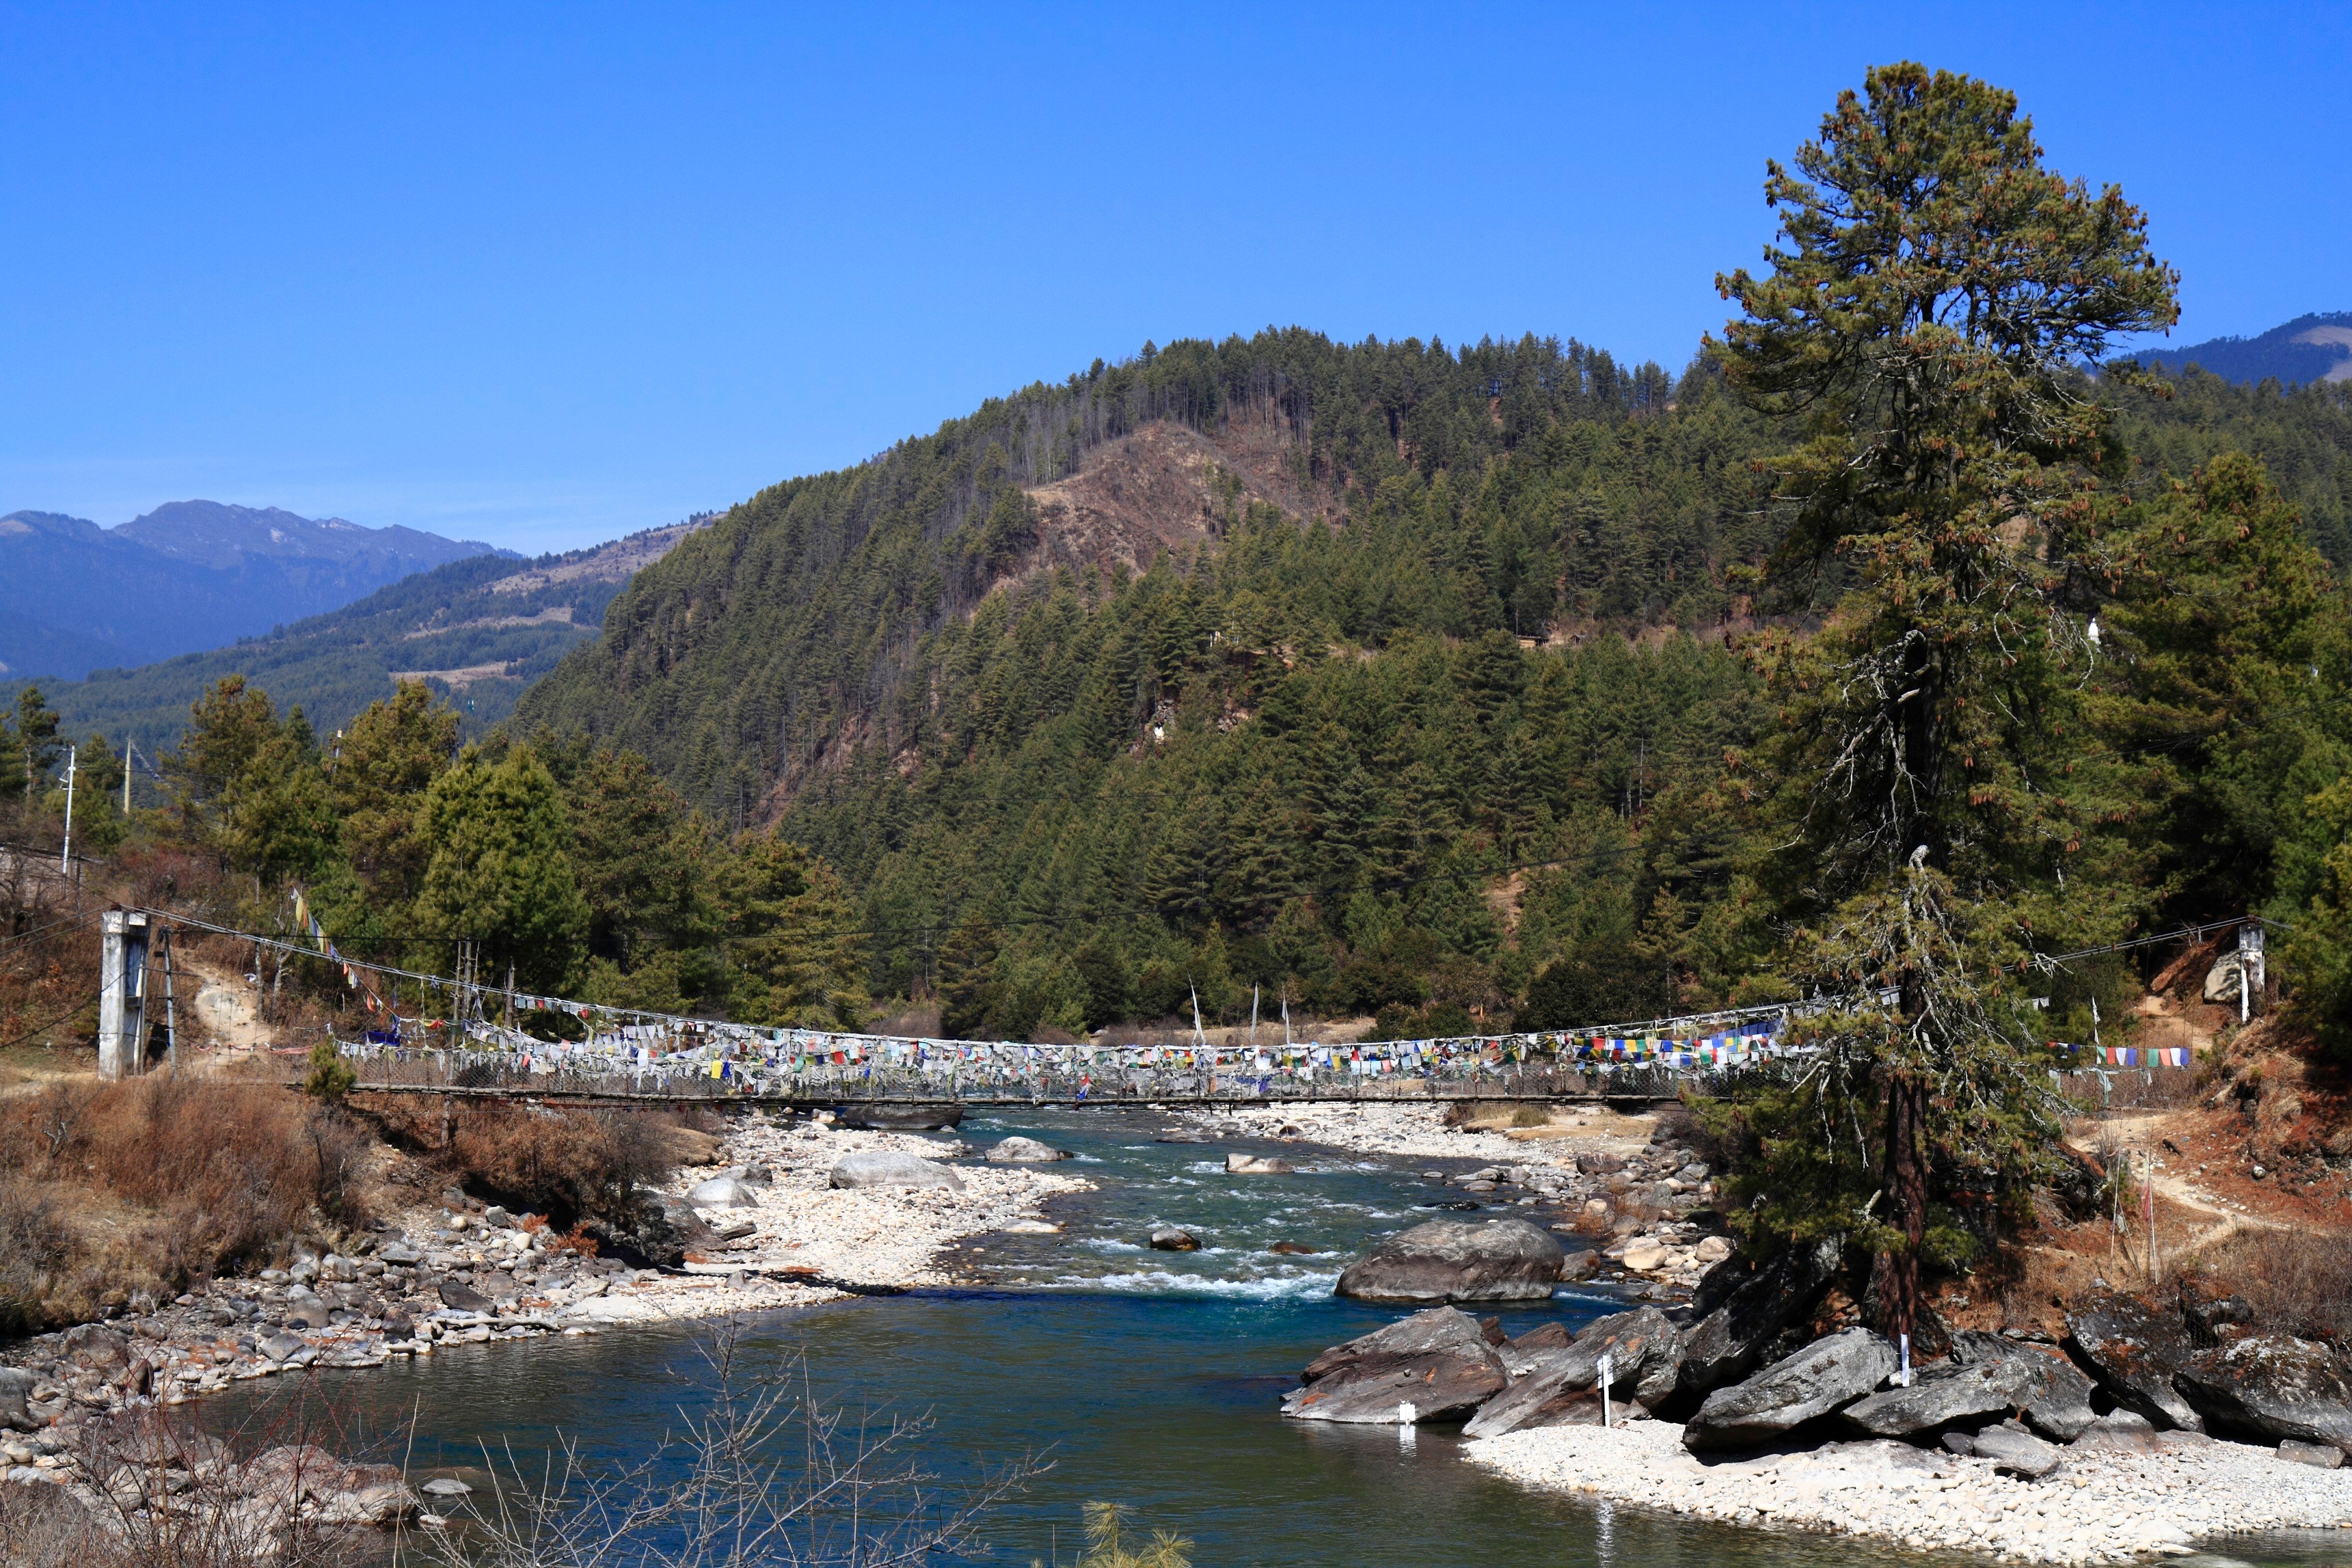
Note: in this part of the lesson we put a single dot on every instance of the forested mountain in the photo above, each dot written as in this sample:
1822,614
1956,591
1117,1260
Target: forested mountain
2317,347
478,631
189,574
1267,661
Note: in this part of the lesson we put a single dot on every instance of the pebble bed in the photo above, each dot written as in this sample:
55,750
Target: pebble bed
2098,1506
868,1235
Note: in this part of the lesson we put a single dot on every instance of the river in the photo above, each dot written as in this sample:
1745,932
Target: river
1147,1378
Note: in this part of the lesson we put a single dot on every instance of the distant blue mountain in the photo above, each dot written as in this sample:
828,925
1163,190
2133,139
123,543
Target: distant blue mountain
2317,347
188,575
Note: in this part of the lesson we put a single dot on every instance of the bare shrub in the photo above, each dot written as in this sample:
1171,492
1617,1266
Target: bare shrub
234,1170
769,1474
567,1165
35,1245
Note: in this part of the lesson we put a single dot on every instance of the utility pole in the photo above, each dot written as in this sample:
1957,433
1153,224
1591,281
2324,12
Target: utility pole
129,756
65,860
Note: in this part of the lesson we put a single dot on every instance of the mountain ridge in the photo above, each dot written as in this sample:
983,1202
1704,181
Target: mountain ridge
2313,347
475,630
185,576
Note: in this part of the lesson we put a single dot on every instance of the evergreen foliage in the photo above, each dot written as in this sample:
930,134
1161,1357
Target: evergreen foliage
1935,773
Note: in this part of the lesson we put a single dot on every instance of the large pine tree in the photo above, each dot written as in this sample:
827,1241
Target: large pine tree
1940,811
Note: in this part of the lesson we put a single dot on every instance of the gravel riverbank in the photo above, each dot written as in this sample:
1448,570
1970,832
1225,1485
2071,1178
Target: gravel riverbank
462,1273
2096,1507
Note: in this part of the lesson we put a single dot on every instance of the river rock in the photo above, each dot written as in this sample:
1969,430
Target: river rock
1024,1152
464,1299
1825,1377
2272,1387
2019,1453
2134,1351
16,1399
1457,1260
1257,1166
2324,1455
400,1254
282,1346
308,1313
1437,1361
1562,1386
2121,1432
96,1347
875,1168
724,1193
1742,1308
1167,1238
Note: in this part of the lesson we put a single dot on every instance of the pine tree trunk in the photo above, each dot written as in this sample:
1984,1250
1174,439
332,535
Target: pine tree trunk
1905,1183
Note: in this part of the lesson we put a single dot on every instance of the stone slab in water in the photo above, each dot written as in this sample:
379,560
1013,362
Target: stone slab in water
1455,1261
1438,1362
1024,1152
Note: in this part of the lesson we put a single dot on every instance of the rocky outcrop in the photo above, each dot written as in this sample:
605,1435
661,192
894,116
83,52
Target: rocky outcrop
1988,1378
1439,1361
1742,1310
1562,1387
1458,1260
1820,1380
1018,1151
2051,1394
2135,1352
2271,1387
876,1168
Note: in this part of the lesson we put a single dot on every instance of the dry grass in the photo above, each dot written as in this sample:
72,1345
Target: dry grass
175,1181
2293,1282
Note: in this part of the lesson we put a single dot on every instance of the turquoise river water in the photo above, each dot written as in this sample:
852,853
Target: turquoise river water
1150,1379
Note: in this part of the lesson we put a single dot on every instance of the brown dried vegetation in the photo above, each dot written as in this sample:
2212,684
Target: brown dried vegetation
159,1182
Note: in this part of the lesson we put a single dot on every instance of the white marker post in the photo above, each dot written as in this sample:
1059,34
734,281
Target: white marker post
1607,1368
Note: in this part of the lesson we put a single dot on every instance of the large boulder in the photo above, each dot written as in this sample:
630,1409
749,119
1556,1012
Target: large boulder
1562,1387
2134,1351
1986,1379
2052,1394
1825,1377
1017,1150
1257,1166
1743,1308
724,1193
1458,1260
1438,1362
2271,1386
876,1168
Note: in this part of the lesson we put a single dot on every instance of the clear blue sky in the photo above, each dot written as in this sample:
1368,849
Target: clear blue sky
544,274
